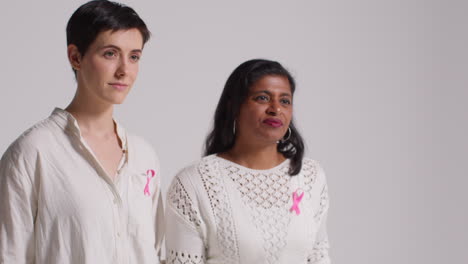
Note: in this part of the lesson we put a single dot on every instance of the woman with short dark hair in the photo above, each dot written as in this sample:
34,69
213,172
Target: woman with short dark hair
253,198
77,187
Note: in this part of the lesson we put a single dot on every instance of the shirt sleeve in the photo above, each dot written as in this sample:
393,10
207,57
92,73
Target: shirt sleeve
158,210
18,207
184,239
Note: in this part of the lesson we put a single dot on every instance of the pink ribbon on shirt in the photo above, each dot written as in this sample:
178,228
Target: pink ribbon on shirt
149,175
296,200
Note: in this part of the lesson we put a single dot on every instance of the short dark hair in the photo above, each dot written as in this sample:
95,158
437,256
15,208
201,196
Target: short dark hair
235,92
97,16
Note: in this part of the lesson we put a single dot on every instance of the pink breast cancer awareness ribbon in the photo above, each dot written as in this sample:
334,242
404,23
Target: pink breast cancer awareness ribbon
149,175
296,200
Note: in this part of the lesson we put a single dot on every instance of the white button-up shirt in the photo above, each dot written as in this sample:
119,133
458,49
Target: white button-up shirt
57,204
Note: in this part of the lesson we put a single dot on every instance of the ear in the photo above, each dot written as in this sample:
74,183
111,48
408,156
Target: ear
74,57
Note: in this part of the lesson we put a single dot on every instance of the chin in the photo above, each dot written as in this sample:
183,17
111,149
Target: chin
118,102
112,101
118,99
271,138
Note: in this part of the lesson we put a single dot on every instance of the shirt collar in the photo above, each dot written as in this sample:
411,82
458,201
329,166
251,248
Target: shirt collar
68,123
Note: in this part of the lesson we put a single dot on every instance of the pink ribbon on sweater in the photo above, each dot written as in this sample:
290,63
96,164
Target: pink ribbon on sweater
296,200
149,175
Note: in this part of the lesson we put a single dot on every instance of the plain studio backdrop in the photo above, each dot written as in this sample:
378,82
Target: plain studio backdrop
381,102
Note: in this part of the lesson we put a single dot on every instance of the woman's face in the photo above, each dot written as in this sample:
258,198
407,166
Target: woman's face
109,67
265,115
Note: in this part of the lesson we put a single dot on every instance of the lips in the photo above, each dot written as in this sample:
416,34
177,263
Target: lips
119,86
273,122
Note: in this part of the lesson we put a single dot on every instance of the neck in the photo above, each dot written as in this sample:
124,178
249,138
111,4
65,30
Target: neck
254,156
92,117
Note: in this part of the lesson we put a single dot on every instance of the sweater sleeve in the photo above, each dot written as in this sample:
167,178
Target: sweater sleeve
319,252
184,238
18,208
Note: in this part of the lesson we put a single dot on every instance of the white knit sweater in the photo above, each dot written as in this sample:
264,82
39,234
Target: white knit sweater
221,212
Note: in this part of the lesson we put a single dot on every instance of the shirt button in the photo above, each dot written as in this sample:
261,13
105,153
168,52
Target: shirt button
118,234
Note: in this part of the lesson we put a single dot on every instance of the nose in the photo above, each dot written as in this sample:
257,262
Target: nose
122,68
274,108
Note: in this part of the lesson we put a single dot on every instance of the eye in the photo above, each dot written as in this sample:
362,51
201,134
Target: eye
110,54
135,58
285,101
261,98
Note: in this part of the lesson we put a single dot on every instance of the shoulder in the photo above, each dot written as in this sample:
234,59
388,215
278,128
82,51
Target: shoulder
140,144
141,151
311,165
194,173
189,172
32,141
313,172
22,156
182,187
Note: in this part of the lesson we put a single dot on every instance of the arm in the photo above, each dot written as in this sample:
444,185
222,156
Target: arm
319,252
158,212
184,239
18,209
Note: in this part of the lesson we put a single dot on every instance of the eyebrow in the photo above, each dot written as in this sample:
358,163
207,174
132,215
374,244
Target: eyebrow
269,93
117,48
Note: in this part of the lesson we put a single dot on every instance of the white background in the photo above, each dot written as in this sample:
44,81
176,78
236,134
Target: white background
381,101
